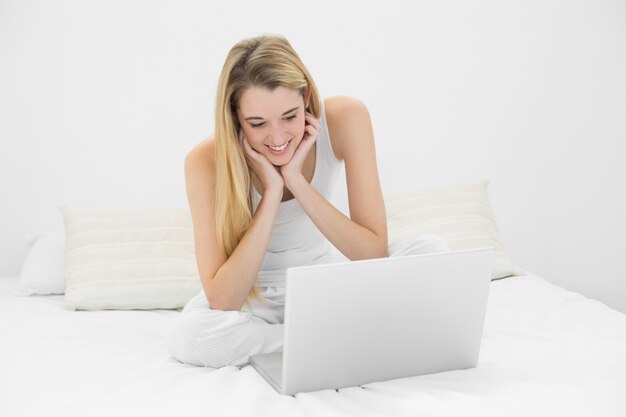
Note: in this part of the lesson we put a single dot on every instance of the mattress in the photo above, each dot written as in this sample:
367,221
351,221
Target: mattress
545,351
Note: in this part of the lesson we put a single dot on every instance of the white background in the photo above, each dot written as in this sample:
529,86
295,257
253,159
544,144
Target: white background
100,102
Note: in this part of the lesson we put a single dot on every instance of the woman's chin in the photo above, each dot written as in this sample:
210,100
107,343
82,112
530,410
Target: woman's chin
281,160
279,164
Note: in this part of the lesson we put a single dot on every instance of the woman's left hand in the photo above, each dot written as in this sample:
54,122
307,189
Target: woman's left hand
292,170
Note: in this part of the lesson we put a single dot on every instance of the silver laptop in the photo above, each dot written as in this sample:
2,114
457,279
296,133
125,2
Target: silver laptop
353,323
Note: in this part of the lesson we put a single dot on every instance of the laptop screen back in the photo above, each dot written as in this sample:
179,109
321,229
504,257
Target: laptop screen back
356,322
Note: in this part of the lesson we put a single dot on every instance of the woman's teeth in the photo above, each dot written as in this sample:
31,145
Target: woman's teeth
280,148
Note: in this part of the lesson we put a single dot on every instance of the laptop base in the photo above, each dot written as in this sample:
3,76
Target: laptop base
270,366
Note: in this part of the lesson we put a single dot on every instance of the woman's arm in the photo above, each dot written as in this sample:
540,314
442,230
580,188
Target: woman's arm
226,281
364,234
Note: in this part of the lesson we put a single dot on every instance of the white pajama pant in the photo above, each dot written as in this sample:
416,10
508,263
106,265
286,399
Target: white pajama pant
203,336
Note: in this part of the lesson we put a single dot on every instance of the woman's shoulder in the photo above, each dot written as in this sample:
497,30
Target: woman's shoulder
204,150
342,112
200,160
336,104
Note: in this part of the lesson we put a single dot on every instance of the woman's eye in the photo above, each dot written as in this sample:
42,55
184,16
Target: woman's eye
261,124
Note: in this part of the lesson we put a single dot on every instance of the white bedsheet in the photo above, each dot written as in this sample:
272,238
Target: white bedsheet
545,351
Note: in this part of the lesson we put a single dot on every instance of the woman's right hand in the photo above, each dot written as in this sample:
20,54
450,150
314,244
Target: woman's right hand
268,174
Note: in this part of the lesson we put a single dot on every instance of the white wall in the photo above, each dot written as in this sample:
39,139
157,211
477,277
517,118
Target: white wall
100,101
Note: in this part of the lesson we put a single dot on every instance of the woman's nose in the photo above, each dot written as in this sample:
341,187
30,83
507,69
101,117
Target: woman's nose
277,137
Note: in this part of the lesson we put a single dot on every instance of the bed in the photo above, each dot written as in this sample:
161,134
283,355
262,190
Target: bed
545,351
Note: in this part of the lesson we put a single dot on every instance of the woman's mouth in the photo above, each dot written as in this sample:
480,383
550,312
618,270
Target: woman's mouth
281,149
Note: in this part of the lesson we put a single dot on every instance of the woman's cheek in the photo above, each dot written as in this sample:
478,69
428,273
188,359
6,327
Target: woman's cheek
255,139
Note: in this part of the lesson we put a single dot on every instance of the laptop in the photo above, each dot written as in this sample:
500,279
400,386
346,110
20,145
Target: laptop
357,322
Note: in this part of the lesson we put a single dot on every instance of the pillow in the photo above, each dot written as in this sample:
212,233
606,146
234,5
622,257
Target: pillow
43,268
461,215
129,258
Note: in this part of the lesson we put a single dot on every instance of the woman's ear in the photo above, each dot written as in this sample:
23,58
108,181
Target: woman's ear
307,99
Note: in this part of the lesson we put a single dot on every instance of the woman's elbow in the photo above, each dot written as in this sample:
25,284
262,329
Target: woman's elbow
220,300
379,251
223,304
383,247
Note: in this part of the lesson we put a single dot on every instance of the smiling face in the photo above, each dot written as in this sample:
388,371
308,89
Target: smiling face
272,119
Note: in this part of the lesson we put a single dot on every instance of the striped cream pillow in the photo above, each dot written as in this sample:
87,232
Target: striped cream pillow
129,258
460,215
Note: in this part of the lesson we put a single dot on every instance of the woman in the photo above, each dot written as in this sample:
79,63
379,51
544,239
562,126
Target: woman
258,194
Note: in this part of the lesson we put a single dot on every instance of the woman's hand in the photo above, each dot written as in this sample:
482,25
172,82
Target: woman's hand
292,170
267,173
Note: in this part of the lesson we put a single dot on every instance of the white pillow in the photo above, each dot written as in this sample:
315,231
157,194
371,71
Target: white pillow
43,268
461,215
129,258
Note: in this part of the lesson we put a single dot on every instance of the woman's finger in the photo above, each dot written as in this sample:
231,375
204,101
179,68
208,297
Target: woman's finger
310,129
242,142
248,151
246,146
313,121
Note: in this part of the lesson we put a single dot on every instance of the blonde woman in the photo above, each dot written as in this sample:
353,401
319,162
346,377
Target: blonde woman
258,192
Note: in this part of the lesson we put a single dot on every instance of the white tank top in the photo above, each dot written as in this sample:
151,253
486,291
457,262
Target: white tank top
295,239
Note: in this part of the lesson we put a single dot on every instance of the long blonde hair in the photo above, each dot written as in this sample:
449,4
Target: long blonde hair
263,61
